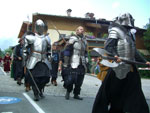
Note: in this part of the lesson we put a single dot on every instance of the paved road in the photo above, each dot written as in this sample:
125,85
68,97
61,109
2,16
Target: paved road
54,101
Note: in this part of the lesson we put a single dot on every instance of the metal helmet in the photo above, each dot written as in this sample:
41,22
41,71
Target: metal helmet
39,26
125,19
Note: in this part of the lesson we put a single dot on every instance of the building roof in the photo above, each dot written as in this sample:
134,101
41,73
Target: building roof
99,21
25,26
96,21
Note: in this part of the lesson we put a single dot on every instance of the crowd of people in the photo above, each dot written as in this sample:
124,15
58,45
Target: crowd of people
36,60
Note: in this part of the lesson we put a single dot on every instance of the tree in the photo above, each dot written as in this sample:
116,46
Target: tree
145,73
9,50
1,53
147,37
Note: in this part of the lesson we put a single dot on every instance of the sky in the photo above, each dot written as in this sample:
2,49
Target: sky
14,12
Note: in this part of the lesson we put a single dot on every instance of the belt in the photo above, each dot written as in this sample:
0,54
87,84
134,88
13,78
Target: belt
39,52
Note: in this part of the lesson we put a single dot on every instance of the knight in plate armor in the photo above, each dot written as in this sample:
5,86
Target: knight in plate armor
121,89
37,55
74,62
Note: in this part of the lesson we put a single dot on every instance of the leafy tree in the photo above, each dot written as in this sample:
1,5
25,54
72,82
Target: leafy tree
147,37
145,73
9,50
1,53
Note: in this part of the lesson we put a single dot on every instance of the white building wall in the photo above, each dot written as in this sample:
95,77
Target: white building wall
53,34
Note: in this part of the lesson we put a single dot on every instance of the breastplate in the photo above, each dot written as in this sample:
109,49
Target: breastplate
78,56
39,45
38,52
126,48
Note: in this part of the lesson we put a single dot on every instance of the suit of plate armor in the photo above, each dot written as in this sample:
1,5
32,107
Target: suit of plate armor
126,44
37,51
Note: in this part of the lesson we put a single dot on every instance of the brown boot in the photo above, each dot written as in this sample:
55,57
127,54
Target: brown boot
55,83
27,87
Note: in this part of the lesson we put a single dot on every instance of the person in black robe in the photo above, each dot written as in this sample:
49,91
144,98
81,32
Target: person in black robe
121,94
19,70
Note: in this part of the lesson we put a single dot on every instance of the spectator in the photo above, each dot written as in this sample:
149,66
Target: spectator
7,60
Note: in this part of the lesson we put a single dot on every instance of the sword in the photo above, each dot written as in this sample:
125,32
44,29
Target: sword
101,52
